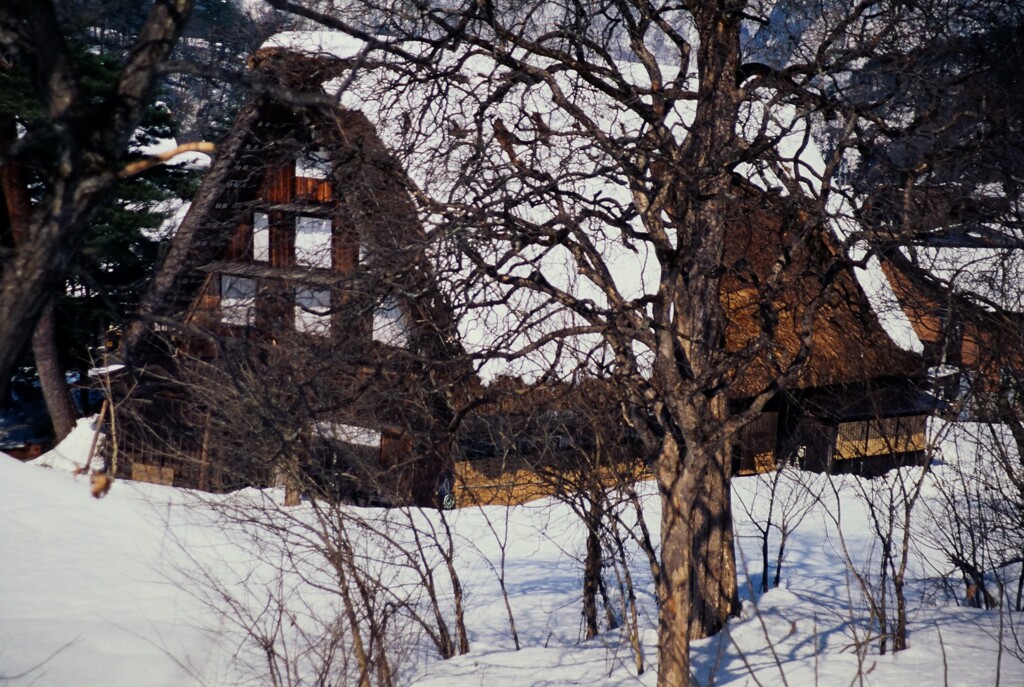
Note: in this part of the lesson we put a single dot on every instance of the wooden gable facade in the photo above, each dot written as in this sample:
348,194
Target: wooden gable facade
300,267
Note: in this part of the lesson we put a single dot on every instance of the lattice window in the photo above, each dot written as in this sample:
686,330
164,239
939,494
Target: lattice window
880,436
313,165
260,237
348,434
756,444
390,324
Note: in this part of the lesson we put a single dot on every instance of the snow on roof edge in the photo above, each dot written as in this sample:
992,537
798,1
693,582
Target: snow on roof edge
873,282
332,43
886,306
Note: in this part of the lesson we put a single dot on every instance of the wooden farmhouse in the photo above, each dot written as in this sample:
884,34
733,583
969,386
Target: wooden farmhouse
297,284
856,403
300,284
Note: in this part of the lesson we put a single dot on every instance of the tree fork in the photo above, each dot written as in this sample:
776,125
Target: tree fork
699,588
44,337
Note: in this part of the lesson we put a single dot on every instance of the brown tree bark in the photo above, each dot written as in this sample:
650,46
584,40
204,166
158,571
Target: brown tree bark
699,587
592,571
714,590
676,570
84,154
52,377
698,590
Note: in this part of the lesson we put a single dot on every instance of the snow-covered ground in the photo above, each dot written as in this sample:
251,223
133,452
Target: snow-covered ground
117,592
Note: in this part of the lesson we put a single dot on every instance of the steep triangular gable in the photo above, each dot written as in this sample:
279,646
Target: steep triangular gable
255,218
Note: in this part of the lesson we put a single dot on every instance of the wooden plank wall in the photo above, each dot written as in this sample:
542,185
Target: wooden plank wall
508,482
152,474
756,445
318,190
880,437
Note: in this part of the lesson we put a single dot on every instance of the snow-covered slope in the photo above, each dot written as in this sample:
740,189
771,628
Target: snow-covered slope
85,591
94,593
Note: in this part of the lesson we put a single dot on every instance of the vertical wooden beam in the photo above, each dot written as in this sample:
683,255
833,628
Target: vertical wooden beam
204,456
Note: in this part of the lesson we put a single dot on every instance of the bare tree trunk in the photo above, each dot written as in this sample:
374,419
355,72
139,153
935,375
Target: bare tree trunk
714,590
777,580
292,490
44,338
763,587
883,601
700,494
1020,589
674,590
51,375
644,540
698,589
899,640
630,615
442,635
84,159
204,455
592,571
340,556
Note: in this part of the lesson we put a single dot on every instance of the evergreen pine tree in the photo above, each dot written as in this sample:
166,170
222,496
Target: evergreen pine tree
123,242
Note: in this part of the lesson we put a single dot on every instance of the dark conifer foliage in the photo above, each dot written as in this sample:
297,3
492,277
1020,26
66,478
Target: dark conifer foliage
215,43
123,240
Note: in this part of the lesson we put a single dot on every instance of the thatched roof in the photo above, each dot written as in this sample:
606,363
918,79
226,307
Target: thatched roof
817,292
847,343
176,282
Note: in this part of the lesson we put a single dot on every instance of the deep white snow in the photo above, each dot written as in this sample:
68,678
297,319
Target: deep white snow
105,592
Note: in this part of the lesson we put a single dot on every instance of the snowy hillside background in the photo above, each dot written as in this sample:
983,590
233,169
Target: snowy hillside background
132,589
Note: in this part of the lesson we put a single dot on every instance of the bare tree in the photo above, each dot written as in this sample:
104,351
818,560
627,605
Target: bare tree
937,176
582,453
975,513
553,147
595,182
86,143
351,595
891,500
14,187
780,501
880,577
332,593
